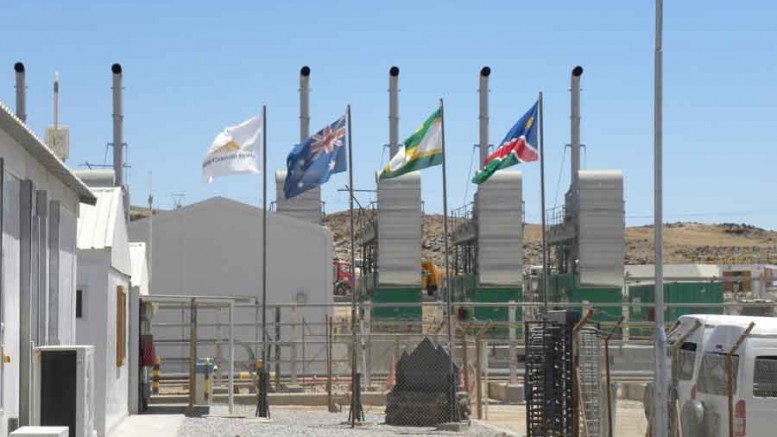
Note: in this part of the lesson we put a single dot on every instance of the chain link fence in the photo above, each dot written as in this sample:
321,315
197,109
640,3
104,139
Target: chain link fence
409,371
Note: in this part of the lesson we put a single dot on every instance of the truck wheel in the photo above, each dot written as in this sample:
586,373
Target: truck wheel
341,289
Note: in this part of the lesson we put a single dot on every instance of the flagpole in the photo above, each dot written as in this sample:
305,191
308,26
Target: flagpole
449,289
661,413
545,255
263,406
355,405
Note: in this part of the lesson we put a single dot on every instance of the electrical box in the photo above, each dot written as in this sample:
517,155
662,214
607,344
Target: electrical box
58,140
63,388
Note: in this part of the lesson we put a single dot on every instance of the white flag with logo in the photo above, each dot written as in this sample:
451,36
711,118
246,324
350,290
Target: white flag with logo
236,150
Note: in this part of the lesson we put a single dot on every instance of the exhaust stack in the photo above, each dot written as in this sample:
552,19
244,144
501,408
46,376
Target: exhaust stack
485,72
118,121
575,119
304,103
56,100
21,93
393,111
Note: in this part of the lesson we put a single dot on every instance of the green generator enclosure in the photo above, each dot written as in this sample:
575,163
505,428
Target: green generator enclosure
387,294
675,292
564,288
467,289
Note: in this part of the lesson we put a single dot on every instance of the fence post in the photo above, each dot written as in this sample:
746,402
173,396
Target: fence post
512,348
366,345
294,382
304,355
479,366
192,356
730,377
607,375
329,340
277,348
464,355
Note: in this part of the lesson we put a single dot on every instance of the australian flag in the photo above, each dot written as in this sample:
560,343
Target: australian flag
309,164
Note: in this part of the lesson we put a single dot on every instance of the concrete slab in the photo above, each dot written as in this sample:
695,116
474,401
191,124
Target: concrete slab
453,426
157,425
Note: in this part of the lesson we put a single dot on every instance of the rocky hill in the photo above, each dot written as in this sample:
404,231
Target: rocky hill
686,242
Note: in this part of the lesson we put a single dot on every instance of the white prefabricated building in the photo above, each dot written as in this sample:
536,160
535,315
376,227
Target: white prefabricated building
214,248
104,271
40,205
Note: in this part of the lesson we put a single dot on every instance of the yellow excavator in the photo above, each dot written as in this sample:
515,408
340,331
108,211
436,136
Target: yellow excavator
430,277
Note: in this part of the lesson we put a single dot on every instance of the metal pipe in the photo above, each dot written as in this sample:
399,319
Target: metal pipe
56,100
485,72
660,397
393,111
21,92
304,103
575,119
118,120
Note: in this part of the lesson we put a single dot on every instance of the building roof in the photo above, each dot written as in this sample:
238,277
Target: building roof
226,204
96,223
41,153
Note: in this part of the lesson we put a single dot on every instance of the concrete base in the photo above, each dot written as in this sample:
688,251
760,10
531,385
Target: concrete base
199,410
359,424
453,426
506,392
291,389
306,399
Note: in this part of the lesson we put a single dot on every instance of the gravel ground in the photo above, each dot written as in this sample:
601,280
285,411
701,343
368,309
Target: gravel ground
306,422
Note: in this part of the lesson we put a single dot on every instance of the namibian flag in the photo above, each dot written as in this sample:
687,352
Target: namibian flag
519,145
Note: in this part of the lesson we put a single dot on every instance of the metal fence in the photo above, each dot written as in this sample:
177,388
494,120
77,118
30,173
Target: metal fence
408,369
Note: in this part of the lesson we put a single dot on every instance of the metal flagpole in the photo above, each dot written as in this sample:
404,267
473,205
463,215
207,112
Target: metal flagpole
356,413
449,289
661,413
263,407
545,257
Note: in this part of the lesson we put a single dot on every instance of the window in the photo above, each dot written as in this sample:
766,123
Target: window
121,318
712,374
765,377
79,304
686,358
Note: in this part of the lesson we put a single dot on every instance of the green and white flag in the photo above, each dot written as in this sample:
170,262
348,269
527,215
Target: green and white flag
423,149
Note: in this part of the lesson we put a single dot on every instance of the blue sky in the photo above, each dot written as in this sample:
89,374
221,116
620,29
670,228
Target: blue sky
191,68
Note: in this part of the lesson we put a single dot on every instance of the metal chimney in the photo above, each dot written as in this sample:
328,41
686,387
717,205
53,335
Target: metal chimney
304,103
485,72
393,111
118,120
56,100
21,94
575,119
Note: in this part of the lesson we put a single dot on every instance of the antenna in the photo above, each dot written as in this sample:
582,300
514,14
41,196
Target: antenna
57,137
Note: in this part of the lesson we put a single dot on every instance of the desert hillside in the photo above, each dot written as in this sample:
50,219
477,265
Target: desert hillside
686,242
